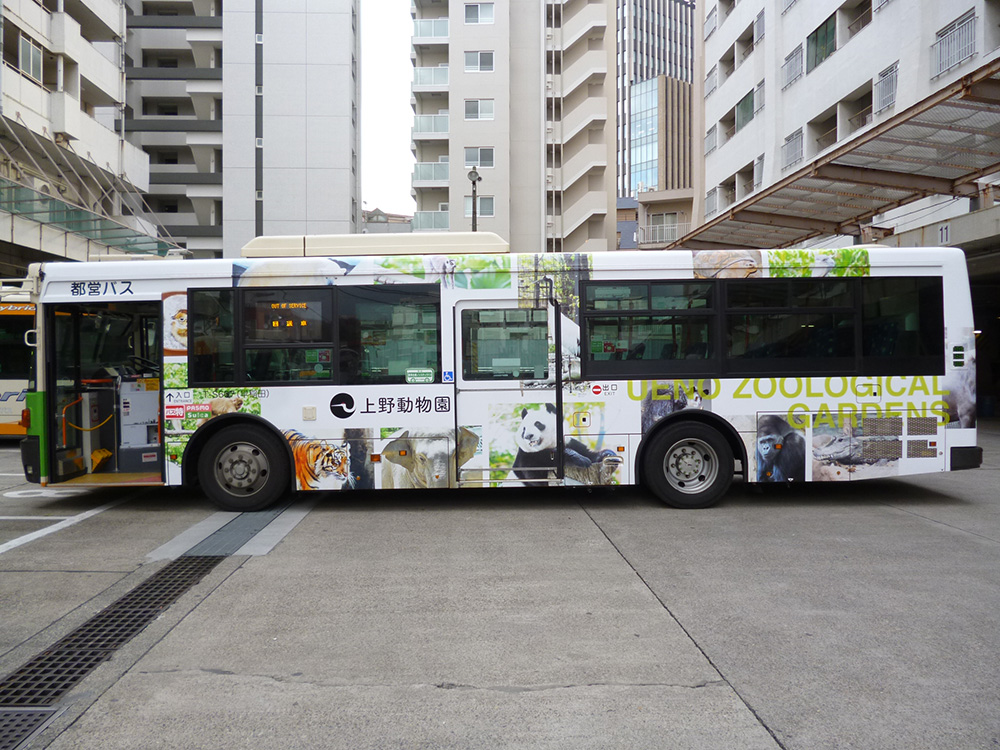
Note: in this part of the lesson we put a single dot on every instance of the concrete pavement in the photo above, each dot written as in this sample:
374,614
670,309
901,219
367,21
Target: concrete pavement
820,617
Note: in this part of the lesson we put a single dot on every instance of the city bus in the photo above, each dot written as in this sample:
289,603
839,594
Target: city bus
17,316
317,363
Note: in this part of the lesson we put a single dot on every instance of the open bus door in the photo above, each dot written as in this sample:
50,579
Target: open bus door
103,363
508,391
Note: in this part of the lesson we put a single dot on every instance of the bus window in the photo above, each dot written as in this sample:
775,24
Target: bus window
902,326
387,331
790,325
16,362
210,336
639,329
508,344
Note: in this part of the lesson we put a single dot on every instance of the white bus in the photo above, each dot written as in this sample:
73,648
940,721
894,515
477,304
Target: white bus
434,361
17,316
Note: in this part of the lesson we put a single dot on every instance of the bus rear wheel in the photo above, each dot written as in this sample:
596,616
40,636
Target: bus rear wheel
688,465
243,468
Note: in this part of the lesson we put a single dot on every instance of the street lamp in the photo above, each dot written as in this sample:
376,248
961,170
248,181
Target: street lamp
474,178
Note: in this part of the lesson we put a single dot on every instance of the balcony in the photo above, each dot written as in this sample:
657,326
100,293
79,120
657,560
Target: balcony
433,79
430,174
430,31
430,221
430,127
656,233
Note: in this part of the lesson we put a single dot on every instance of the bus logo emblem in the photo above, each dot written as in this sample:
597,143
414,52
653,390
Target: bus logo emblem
342,405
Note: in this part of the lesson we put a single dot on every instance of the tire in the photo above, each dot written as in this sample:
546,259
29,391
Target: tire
244,468
688,465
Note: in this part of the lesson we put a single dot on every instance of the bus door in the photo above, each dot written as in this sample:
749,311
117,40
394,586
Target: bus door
104,392
507,392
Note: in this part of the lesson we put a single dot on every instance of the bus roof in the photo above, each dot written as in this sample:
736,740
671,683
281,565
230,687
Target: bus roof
419,243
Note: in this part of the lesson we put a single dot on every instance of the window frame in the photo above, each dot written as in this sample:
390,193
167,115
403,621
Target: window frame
478,68
814,48
479,14
718,363
335,296
479,107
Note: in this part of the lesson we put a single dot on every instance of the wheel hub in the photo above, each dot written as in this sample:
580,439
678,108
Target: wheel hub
687,463
241,466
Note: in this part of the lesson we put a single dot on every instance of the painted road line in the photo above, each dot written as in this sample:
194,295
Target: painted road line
278,529
35,518
188,539
71,521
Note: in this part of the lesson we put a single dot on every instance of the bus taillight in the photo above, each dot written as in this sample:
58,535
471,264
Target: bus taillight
25,418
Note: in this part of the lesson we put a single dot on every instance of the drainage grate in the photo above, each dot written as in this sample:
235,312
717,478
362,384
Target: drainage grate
47,677
16,726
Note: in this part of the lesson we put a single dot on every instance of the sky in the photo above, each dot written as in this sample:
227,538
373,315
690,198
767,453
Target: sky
386,115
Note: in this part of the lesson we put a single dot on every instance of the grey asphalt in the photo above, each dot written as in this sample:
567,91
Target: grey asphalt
862,616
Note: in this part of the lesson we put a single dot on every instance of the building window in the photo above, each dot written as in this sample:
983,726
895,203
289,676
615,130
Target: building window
30,58
662,228
744,111
711,139
479,156
484,205
478,62
478,109
478,13
821,43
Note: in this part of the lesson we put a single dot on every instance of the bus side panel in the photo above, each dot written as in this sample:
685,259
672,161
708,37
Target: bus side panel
35,460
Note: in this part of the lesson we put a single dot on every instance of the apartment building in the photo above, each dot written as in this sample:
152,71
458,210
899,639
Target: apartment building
788,83
249,114
68,182
521,95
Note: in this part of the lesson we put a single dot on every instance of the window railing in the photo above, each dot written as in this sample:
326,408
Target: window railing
884,90
791,149
430,28
711,80
711,202
860,22
862,118
827,139
663,232
711,140
786,4
953,47
711,22
791,71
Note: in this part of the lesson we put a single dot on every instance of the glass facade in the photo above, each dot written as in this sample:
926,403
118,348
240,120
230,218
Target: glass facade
644,163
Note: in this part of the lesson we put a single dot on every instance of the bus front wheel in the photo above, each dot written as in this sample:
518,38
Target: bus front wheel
688,465
243,468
